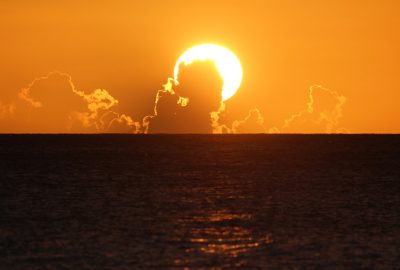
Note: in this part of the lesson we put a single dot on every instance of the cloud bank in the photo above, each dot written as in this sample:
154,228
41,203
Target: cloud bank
53,104
322,114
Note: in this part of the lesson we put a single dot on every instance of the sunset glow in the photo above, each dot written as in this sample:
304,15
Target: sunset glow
227,64
170,66
212,134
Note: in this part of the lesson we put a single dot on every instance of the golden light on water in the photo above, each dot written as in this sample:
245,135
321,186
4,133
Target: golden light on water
223,235
226,62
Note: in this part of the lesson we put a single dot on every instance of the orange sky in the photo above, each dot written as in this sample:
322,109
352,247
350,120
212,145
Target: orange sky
129,48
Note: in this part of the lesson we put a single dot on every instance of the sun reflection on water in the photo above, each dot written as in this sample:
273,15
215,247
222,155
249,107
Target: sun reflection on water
222,237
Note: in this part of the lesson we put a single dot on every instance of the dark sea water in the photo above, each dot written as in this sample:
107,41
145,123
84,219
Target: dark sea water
199,202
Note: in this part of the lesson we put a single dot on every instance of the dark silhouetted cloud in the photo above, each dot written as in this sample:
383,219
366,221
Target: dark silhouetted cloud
187,108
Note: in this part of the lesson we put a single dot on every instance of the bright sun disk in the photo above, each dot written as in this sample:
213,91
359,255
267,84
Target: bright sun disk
226,62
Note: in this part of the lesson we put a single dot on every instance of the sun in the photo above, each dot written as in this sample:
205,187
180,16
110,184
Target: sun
226,62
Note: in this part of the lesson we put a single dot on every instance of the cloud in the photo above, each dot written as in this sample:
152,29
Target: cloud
53,104
187,107
165,98
322,114
253,123
120,123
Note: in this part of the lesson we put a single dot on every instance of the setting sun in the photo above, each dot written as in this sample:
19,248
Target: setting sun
226,62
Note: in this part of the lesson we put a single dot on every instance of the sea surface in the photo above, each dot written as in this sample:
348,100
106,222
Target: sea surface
199,202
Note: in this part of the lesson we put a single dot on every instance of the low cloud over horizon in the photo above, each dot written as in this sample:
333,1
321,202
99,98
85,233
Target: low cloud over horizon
54,104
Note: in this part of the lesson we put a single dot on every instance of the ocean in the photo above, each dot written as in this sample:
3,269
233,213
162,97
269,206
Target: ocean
199,202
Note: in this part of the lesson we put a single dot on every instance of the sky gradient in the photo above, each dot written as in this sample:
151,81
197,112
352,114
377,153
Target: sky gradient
129,48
